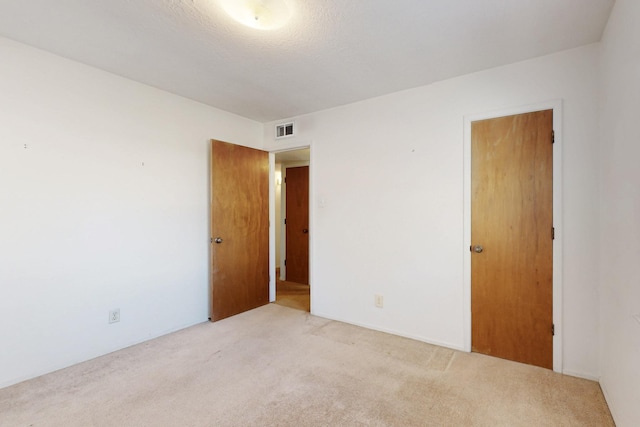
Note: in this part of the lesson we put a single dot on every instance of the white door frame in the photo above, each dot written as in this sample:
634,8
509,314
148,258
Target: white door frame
556,106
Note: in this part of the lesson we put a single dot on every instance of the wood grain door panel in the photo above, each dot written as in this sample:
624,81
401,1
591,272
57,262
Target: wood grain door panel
297,214
240,217
512,219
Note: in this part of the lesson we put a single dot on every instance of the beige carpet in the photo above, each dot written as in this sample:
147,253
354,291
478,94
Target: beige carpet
274,366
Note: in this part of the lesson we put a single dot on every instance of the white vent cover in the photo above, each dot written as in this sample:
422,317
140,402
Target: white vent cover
284,130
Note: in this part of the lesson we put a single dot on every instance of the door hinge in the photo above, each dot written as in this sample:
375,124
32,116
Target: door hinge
553,329
285,262
553,233
553,136
285,221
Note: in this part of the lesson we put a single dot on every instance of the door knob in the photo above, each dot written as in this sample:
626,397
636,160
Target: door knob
305,231
478,249
218,240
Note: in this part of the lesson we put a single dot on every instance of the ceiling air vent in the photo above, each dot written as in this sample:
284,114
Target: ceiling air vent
284,130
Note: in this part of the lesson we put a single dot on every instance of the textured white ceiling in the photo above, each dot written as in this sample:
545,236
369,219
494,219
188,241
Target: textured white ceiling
332,52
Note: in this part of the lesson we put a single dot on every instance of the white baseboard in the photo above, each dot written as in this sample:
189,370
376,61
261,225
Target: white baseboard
394,332
581,375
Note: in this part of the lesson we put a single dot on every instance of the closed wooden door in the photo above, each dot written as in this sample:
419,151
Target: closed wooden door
297,216
511,235
240,229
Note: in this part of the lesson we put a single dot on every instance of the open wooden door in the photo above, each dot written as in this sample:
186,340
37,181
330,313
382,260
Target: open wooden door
239,228
512,237
297,216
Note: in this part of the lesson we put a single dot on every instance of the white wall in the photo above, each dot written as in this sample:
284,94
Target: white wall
84,227
620,210
390,173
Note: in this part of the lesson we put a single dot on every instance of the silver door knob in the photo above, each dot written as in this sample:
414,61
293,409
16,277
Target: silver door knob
218,240
478,249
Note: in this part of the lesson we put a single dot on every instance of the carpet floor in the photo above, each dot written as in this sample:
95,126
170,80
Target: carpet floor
274,366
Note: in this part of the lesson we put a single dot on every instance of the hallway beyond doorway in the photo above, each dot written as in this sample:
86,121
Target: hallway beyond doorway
292,295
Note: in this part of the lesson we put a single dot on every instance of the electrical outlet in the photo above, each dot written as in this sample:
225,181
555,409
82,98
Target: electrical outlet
114,315
379,301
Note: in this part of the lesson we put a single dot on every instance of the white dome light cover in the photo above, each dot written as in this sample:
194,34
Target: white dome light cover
258,14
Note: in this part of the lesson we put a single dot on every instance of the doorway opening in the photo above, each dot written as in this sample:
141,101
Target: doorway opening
292,229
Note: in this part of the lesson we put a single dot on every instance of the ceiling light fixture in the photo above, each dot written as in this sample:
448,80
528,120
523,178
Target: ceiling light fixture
258,14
